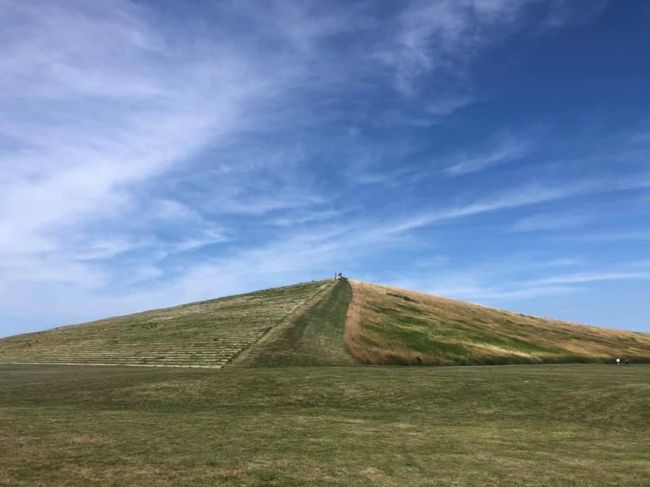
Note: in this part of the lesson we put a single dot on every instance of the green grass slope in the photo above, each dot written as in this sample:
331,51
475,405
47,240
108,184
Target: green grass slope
394,326
313,336
204,334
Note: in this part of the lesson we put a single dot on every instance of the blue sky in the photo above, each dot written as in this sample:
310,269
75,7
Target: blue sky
155,153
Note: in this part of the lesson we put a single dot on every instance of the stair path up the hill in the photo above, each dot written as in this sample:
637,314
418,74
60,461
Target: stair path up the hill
239,322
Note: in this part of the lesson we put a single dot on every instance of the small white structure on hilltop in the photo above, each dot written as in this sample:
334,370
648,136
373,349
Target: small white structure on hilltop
338,275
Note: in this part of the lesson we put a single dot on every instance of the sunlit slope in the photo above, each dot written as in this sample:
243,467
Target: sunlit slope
393,326
208,333
314,336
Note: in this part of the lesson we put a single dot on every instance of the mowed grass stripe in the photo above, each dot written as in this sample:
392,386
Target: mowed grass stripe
394,326
208,333
314,335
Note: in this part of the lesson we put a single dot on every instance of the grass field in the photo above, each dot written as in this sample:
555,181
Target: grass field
331,426
395,326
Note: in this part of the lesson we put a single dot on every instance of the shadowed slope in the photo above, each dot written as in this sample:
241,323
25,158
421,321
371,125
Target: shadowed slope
394,326
204,334
313,337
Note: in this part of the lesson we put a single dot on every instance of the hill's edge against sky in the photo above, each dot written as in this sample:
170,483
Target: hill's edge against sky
329,322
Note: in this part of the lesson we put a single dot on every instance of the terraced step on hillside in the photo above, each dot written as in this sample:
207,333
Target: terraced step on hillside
204,334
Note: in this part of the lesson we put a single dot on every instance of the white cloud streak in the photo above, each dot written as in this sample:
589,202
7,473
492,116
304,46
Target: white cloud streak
593,277
509,149
104,146
444,36
105,120
553,221
532,194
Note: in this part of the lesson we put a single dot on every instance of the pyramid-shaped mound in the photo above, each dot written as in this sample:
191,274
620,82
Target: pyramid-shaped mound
329,322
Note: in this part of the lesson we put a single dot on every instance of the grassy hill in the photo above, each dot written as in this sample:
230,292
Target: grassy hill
324,323
394,326
204,334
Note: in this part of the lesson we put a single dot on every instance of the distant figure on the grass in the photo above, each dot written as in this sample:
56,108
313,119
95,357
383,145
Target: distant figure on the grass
618,360
626,361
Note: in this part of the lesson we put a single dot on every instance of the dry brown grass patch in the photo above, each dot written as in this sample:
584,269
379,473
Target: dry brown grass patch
387,325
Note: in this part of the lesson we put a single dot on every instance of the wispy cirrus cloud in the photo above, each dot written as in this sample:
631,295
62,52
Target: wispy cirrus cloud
508,149
532,194
553,221
94,134
613,236
97,121
443,37
223,147
89,126
587,277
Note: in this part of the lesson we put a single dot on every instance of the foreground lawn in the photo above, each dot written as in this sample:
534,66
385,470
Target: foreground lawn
407,426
